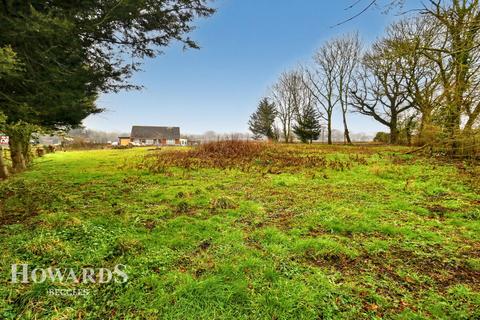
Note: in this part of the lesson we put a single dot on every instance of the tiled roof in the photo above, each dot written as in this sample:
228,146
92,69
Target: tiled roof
150,132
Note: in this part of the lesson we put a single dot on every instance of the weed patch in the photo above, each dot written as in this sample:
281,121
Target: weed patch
247,156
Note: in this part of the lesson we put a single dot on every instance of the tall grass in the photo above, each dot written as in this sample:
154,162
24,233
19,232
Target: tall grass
246,155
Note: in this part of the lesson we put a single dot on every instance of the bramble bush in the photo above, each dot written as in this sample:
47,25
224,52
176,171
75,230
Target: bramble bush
246,156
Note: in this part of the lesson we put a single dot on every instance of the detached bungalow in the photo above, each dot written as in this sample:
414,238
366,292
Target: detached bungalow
157,136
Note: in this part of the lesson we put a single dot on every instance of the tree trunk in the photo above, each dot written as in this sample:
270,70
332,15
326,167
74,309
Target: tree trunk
453,129
19,141
285,133
346,133
289,131
394,128
26,151
329,129
409,136
16,153
3,166
425,124
393,134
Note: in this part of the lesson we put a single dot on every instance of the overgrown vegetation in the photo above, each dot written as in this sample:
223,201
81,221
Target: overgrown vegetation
389,236
249,156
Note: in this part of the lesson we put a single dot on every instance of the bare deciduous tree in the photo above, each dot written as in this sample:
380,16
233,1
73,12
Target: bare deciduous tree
290,96
330,77
347,49
320,79
380,88
282,95
407,37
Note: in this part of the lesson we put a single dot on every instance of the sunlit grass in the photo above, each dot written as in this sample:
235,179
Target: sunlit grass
388,236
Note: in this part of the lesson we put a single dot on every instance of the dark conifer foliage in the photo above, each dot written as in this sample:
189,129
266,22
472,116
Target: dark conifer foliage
262,121
308,126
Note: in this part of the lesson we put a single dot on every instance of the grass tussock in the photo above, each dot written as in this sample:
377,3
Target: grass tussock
247,156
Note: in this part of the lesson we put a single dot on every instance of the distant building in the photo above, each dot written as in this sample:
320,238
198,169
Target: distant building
153,136
123,141
3,140
183,142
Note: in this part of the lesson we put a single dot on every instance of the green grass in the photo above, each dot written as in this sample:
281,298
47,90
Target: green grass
397,237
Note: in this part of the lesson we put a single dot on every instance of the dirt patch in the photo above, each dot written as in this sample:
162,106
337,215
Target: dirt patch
443,271
189,263
438,209
11,218
149,224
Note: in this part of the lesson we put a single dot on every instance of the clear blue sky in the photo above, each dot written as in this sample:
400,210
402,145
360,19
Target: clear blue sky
244,47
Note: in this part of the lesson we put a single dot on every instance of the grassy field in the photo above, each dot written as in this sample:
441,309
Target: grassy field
345,233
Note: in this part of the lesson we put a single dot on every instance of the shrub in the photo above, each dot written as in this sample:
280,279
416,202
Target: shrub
382,137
